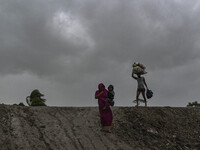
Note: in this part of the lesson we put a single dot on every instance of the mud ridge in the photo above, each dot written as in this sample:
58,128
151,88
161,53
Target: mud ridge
78,128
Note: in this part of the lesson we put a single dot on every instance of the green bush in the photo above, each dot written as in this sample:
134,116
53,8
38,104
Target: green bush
37,101
193,104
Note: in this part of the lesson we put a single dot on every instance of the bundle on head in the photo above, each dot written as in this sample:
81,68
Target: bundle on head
139,69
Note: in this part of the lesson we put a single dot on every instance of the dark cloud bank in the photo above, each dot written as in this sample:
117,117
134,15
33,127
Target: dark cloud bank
65,48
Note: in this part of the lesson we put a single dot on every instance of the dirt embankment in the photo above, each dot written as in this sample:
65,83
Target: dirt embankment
71,128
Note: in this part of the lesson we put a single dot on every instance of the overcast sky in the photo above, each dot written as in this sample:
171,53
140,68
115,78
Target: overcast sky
65,48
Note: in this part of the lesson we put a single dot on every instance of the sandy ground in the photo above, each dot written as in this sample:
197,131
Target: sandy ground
75,128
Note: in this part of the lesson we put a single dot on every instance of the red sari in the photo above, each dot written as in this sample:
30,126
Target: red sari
106,116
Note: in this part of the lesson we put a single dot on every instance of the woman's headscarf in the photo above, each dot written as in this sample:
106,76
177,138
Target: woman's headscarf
101,85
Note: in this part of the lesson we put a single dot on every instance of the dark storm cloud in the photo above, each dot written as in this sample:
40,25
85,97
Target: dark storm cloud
27,40
147,32
80,43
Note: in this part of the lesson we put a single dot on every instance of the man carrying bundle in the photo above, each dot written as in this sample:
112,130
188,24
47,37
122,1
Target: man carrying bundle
139,70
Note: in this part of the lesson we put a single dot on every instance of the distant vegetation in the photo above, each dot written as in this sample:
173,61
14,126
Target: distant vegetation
35,99
193,104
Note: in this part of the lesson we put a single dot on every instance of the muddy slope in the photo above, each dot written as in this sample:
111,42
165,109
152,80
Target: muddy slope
75,128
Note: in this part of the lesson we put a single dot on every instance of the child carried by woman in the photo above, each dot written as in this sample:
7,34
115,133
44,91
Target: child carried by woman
110,96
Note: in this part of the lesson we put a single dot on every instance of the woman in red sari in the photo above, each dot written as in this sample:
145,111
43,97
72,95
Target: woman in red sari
104,108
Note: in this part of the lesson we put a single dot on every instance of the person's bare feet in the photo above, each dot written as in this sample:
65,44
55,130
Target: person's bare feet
102,128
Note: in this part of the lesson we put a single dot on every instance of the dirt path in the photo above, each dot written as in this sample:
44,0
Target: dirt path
68,128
